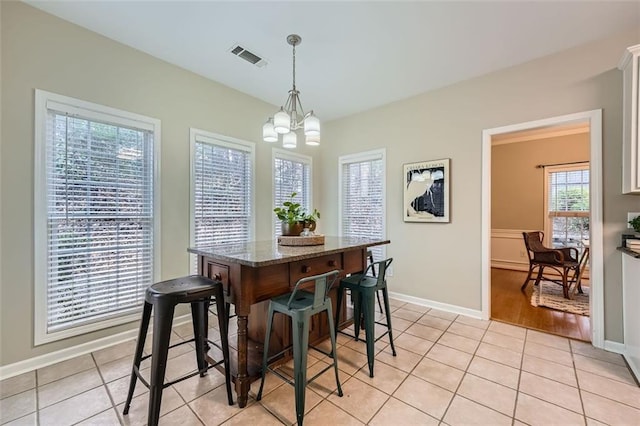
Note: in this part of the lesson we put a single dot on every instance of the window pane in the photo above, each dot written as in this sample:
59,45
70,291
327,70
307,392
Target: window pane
99,219
568,207
222,194
291,176
362,201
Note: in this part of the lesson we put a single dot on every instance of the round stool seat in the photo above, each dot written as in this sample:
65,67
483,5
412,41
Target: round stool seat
181,290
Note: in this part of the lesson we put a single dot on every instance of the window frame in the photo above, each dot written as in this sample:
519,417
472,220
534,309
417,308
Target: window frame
203,136
90,111
548,170
282,154
376,154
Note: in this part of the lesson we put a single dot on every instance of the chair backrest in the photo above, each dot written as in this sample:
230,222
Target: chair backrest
370,258
382,266
533,242
323,283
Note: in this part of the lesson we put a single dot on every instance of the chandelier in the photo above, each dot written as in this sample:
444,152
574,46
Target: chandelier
291,116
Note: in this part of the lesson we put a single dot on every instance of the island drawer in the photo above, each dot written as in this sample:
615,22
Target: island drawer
314,266
218,272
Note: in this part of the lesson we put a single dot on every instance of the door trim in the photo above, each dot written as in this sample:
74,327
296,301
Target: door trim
594,119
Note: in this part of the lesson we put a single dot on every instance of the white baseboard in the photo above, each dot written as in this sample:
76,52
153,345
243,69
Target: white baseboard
616,347
40,361
454,309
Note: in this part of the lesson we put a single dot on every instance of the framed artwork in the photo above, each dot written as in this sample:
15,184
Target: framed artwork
426,191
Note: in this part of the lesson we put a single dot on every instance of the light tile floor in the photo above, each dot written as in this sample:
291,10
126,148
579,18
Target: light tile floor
449,370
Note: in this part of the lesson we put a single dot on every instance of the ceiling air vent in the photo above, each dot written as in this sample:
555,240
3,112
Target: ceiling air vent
243,53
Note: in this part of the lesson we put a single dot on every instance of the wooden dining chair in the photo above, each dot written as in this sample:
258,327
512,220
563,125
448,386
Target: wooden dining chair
563,260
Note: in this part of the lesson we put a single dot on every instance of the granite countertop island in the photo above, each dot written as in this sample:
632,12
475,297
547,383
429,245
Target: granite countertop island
256,271
264,253
623,247
629,252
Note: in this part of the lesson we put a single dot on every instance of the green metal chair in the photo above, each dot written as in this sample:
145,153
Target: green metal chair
301,305
373,274
363,289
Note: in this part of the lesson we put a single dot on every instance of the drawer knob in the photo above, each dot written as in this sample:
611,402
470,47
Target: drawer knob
332,263
217,277
306,269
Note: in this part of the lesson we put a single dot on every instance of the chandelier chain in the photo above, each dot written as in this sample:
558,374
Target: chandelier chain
294,67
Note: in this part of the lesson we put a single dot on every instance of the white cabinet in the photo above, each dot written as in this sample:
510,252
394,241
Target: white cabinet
630,66
631,313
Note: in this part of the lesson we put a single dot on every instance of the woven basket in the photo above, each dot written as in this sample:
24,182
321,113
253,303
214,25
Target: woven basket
312,240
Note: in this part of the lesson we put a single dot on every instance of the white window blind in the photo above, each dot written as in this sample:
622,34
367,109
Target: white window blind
98,197
362,204
291,173
222,191
568,205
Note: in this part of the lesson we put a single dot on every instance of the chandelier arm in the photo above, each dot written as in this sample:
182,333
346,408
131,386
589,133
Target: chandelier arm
299,115
301,110
287,104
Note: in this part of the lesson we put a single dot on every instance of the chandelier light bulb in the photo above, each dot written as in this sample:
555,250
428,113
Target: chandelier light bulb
269,133
289,140
311,125
313,140
282,122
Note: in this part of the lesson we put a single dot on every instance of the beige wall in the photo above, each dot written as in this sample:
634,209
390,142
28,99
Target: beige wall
442,262
42,51
517,186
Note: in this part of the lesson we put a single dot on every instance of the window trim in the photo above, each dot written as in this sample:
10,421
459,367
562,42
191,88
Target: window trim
291,156
203,136
545,212
89,110
376,154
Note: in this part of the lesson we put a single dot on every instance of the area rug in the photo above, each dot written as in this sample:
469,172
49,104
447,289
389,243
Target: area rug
549,295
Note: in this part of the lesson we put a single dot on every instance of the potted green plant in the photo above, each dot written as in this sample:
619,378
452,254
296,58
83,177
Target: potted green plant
294,217
635,223
310,219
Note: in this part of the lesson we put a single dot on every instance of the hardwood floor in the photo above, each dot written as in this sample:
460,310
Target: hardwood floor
510,305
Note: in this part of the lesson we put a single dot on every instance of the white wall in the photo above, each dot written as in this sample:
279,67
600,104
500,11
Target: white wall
442,262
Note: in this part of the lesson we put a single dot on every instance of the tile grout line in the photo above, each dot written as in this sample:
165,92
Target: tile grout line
575,372
515,403
466,372
69,397
411,371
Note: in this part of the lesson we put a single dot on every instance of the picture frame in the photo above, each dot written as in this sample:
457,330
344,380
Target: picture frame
426,191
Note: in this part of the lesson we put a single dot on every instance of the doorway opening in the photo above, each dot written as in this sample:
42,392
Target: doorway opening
526,168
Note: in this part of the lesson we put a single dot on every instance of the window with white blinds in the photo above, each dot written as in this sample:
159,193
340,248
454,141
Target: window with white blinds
567,205
222,190
95,219
291,173
362,197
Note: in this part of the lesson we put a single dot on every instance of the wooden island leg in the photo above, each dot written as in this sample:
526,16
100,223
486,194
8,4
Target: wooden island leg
242,381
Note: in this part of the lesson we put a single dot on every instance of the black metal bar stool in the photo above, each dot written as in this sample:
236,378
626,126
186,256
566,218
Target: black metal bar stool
363,288
163,298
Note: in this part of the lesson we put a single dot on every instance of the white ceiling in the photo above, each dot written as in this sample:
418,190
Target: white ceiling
354,55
